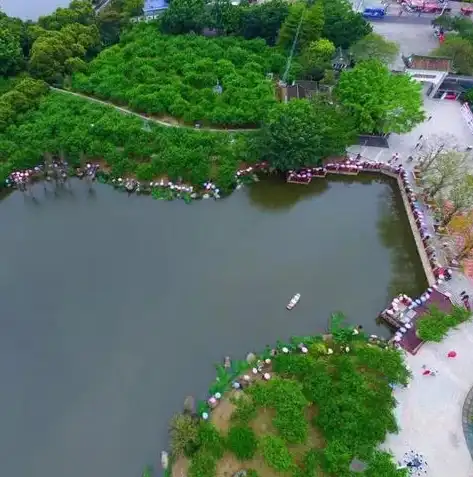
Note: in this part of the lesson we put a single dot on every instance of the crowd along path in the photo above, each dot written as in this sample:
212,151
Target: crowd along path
123,110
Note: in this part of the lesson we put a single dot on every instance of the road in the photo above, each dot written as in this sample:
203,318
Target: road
406,19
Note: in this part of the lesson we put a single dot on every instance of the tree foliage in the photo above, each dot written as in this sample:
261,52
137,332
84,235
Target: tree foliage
25,95
302,133
52,49
11,54
444,172
276,454
462,225
379,101
316,58
262,20
343,26
184,434
178,76
311,21
460,50
74,128
241,440
374,47
184,16
436,325
460,198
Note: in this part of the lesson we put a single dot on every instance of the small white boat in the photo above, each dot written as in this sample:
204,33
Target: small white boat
294,300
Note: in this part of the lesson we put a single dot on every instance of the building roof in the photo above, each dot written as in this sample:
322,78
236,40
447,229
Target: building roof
431,63
151,6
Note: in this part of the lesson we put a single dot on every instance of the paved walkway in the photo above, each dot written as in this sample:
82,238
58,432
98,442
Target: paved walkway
147,118
429,412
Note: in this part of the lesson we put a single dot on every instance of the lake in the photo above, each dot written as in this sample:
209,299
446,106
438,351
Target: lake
31,9
116,308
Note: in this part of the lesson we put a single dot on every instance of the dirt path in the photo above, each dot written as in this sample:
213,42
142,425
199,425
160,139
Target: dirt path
146,118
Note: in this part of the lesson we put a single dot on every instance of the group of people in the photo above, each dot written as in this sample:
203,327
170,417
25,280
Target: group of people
57,171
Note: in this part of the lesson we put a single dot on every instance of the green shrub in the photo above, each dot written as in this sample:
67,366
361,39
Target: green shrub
242,442
276,454
436,325
184,433
287,398
210,440
245,411
203,464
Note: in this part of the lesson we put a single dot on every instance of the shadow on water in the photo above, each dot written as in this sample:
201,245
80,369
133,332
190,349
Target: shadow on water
395,234
273,193
114,308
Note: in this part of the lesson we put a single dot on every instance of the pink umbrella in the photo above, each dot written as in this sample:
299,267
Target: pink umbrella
451,354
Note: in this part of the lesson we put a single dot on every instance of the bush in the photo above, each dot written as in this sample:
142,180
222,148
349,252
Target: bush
203,464
184,433
286,397
245,410
276,454
242,442
436,325
210,440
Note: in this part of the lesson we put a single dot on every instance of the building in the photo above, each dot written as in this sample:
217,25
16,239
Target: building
431,71
154,7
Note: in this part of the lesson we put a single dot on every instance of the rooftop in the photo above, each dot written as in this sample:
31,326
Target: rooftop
151,6
431,63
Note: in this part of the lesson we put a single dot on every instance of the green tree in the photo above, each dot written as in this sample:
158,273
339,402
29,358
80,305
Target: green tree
460,198
311,21
343,26
185,16
109,22
263,20
379,101
302,133
316,57
79,11
444,173
11,55
224,17
52,48
460,50
374,47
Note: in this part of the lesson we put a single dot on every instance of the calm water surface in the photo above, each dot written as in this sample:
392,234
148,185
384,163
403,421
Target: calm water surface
31,9
115,308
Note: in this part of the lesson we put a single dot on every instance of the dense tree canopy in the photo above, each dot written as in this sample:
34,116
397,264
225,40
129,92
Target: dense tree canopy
379,101
185,16
53,48
262,20
302,133
23,96
12,40
215,80
311,20
75,128
343,26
